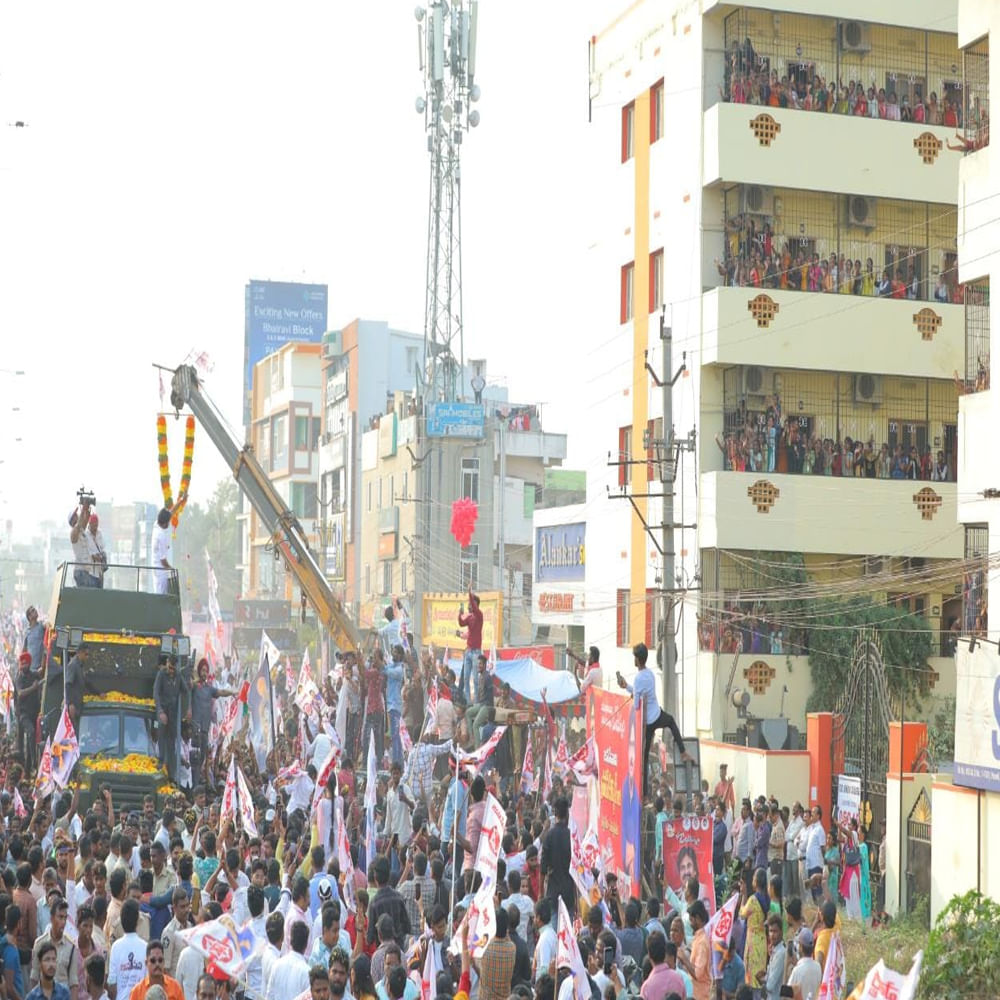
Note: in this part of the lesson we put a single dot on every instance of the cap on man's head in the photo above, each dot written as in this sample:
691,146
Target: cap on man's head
25,657
94,521
806,938
325,890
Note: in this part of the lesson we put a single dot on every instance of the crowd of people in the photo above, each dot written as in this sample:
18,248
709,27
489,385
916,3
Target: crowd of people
98,898
751,80
770,440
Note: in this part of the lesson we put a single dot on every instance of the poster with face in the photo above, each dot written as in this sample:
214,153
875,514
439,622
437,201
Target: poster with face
687,855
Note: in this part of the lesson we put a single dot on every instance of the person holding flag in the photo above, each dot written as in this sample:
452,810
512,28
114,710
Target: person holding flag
203,695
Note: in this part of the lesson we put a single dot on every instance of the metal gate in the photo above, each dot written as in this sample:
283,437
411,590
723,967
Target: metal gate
861,730
918,851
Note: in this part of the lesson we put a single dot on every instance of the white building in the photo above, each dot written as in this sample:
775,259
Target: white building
689,184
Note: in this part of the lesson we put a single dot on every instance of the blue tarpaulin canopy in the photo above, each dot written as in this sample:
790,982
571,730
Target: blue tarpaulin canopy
528,678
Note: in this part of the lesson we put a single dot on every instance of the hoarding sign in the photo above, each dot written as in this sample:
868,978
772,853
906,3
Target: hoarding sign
560,552
848,798
977,717
276,313
440,623
335,548
687,854
455,420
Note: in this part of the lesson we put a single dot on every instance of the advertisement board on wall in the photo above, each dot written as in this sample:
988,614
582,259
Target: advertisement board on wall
440,625
276,313
560,552
455,419
335,551
262,612
614,726
977,717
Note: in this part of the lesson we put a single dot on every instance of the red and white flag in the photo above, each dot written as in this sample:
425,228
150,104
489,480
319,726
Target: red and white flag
228,726
6,687
428,980
64,750
720,930
547,777
404,738
584,762
562,754
328,767
529,780
882,982
19,809
476,758
568,955
430,720
246,804
291,771
228,808
832,986
490,837
44,785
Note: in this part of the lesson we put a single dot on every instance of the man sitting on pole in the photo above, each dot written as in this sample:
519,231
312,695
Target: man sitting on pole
643,690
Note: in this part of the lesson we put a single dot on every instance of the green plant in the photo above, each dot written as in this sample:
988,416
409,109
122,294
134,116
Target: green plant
941,732
962,958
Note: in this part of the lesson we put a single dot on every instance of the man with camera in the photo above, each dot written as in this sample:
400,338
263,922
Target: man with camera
83,544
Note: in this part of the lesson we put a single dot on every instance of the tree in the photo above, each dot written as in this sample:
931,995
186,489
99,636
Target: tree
962,958
212,529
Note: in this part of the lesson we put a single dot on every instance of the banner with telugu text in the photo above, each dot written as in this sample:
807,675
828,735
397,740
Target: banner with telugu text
614,726
440,624
687,853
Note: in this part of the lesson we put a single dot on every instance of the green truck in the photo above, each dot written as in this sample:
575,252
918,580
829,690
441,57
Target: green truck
128,628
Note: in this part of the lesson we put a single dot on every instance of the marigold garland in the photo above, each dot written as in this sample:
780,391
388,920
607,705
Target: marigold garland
161,447
164,463
120,698
186,467
134,763
115,638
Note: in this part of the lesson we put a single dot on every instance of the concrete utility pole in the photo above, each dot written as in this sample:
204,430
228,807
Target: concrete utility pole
668,470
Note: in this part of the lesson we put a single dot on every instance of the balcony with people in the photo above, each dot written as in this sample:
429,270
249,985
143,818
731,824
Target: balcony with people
794,89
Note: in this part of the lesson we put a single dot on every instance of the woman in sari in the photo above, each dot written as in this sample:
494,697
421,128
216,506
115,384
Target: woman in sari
866,879
831,858
850,880
754,911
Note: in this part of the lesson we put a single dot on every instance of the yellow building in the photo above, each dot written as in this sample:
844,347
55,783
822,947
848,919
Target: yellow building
776,183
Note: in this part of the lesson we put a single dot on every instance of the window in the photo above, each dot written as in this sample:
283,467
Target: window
624,454
303,499
656,111
277,374
302,433
411,360
392,490
379,492
653,608
470,478
387,577
909,434
628,274
622,619
469,567
279,442
628,131
317,429
656,280
368,579
264,444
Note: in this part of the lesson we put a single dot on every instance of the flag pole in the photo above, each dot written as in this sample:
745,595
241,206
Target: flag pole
456,780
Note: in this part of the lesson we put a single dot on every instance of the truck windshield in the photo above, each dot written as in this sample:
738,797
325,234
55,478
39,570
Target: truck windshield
99,733
138,735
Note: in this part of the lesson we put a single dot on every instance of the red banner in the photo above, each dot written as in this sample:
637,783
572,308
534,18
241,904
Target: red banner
543,655
615,728
687,853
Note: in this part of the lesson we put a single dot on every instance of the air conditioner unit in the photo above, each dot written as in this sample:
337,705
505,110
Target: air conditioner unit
756,382
860,212
868,389
855,36
757,200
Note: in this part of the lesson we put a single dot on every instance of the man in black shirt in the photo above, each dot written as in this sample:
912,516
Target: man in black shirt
29,703
557,852
387,900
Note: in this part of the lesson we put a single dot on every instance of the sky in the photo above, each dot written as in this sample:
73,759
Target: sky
172,153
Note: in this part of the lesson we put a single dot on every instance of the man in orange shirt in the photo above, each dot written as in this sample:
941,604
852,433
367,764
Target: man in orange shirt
701,952
724,789
156,975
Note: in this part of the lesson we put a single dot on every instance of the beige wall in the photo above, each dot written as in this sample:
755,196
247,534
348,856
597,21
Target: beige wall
832,332
894,815
783,773
821,514
733,154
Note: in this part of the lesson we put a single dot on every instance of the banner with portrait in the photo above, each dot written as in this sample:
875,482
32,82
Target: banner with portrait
687,854
615,728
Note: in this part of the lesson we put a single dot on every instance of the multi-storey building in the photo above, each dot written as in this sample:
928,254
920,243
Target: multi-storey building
284,432
415,462
753,200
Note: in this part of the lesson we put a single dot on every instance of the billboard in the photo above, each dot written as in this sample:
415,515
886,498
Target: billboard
687,853
615,727
440,624
977,717
464,420
560,553
277,312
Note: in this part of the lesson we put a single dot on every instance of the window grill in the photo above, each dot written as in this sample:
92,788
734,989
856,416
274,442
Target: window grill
977,335
974,582
976,94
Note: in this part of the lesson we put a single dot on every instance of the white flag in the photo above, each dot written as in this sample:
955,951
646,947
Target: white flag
832,986
569,954
491,835
428,981
882,982
371,796
246,803
228,809
65,750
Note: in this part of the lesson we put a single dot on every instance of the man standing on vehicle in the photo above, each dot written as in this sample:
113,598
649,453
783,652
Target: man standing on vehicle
83,562
202,696
167,690
29,703
74,682
473,621
34,640
162,548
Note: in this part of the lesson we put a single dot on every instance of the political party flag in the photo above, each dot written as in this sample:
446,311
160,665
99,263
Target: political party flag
720,930
482,920
584,762
430,716
568,954
228,726
562,753
491,834
6,687
328,767
228,808
547,777
882,982
428,980
261,701
214,611
528,778
44,785
834,971
476,758
64,750
291,771
246,802
222,943
404,738
19,809
371,797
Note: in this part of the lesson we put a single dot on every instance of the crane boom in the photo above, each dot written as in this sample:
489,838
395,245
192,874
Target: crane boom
286,533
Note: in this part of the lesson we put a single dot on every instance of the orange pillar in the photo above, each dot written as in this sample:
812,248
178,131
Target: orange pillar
904,747
819,741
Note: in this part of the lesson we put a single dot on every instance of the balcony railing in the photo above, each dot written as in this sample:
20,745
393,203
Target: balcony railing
977,337
838,424
975,592
829,65
976,95
817,242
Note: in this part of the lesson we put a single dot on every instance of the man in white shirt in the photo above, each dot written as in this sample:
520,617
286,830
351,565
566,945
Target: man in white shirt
805,978
300,791
643,691
591,674
792,853
398,808
82,557
274,929
257,910
547,947
815,843
289,976
127,959
162,547
523,903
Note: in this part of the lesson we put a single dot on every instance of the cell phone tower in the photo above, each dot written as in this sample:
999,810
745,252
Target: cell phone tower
447,47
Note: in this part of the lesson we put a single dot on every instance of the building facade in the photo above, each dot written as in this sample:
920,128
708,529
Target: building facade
800,248
285,422
415,463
